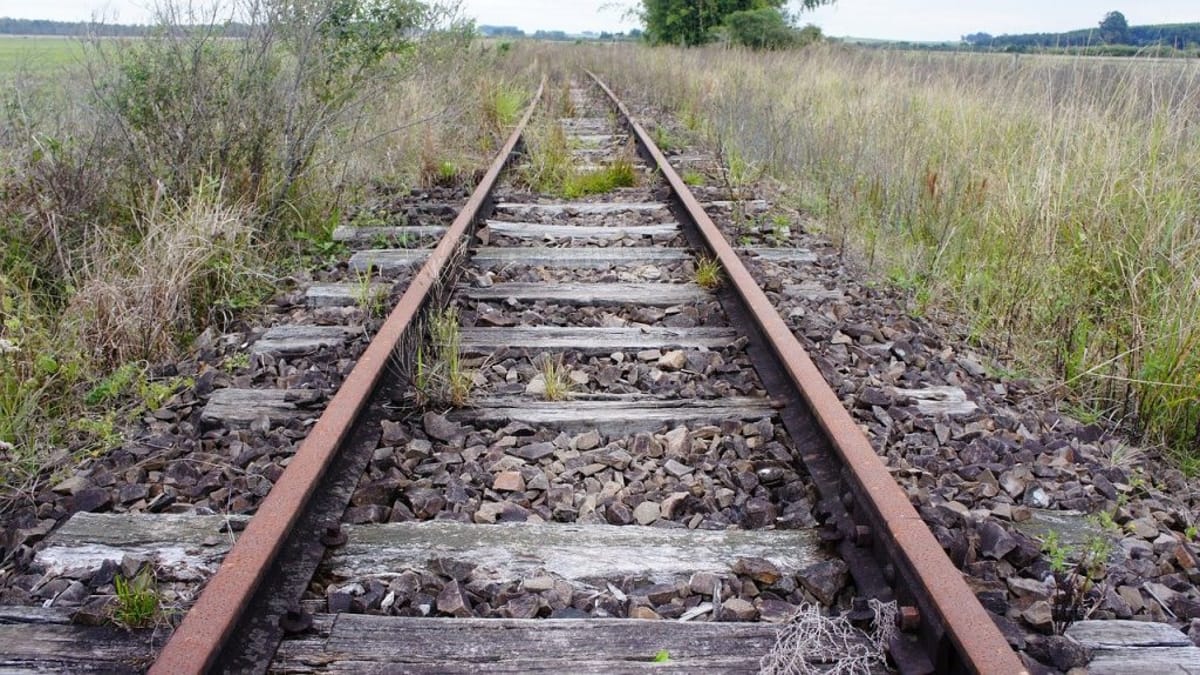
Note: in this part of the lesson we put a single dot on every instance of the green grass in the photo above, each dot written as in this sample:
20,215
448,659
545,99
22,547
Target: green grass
38,54
708,273
599,181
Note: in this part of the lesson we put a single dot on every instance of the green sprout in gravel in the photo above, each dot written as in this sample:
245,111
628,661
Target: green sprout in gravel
708,273
138,600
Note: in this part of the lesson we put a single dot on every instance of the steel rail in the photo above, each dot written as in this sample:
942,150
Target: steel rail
945,603
196,644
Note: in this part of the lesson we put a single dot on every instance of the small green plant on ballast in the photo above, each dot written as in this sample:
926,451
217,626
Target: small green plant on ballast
620,173
138,601
708,273
555,377
440,377
1073,579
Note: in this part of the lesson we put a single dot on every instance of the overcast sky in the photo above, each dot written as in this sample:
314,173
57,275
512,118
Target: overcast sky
895,19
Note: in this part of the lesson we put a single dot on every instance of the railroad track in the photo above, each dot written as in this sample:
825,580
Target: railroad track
586,443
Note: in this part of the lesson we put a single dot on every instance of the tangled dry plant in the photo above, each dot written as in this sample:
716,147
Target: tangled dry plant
813,643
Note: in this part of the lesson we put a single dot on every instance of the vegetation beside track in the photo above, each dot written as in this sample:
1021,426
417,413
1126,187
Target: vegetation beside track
153,187
1053,202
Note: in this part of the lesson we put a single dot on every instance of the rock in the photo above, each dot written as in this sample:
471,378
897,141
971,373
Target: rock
758,569
703,583
1037,498
1185,608
775,611
994,541
91,499
677,441
393,433
1039,616
669,506
759,513
672,360
509,481
453,601
737,609
661,594
676,469
1029,588
646,513
1059,651
1194,632
587,441
618,513
533,452
72,485
520,607
1144,528
824,580
437,426
644,613
488,512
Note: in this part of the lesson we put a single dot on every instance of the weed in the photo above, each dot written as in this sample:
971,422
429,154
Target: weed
138,601
599,181
1191,532
692,177
663,656
113,386
98,434
236,361
708,273
370,297
1075,573
440,378
556,380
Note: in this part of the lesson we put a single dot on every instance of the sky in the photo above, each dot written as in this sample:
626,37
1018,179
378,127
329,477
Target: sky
926,20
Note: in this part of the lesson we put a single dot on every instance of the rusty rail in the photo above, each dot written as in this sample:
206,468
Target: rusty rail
922,572
197,643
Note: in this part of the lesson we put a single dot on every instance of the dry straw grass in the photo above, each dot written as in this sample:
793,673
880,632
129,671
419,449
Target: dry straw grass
138,303
1052,200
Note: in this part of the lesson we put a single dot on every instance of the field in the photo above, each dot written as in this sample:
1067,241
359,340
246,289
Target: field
1049,202
38,54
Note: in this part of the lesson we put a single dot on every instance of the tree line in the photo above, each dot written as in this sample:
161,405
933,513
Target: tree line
1113,30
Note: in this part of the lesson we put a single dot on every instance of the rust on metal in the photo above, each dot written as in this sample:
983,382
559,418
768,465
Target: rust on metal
197,642
977,640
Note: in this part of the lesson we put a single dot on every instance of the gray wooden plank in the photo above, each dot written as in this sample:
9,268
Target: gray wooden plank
344,295
238,408
597,139
1119,633
578,257
291,339
387,259
56,648
612,417
368,233
519,230
592,340
364,643
583,207
779,254
585,294
582,554
185,547
1146,661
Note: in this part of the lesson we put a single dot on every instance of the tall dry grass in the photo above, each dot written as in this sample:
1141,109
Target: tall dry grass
163,182
1053,201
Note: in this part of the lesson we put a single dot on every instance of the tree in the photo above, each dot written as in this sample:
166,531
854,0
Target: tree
695,22
1114,28
760,29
